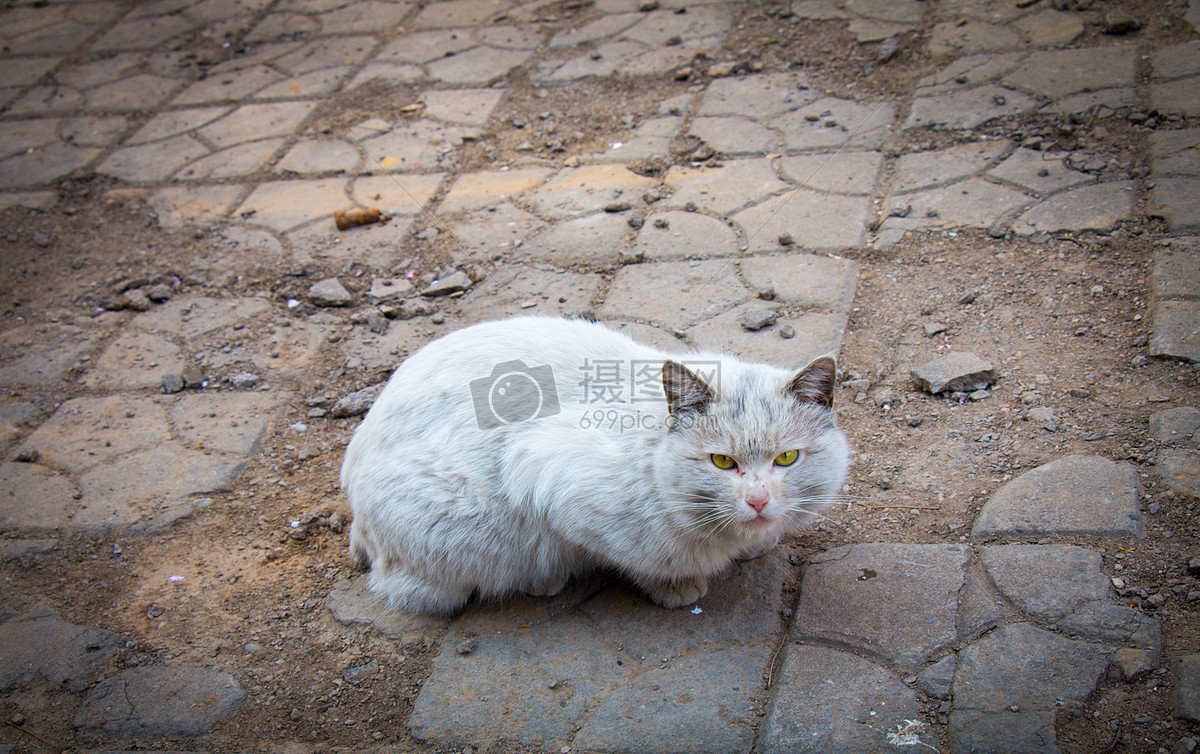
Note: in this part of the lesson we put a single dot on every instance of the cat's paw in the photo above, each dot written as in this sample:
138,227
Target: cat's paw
546,587
678,593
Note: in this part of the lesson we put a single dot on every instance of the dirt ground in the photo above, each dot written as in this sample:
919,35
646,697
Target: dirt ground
1065,322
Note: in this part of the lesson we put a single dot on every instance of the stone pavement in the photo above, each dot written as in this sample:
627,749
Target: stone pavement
888,643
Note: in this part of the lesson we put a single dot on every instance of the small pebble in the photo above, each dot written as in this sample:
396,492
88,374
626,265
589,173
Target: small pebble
466,647
437,318
787,332
172,383
26,455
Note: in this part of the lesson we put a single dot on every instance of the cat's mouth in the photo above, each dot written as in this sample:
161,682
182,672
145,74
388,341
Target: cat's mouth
760,522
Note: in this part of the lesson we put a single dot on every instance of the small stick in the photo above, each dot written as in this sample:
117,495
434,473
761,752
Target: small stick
910,507
31,733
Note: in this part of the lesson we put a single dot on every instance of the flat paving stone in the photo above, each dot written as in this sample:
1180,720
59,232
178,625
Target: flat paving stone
1176,61
192,316
35,497
672,709
854,173
600,237
831,701
1178,96
832,122
1187,687
135,360
150,490
478,190
477,66
1179,426
497,229
735,136
1049,28
20,549
466,697
373,352
1174,152
1058,73
674,234
815,334
43,354
523,289
1177,200
160,701
921,170
821,282
651,139
86,432
44,164
1096,207
1031,732
176,207
282,352
812,220
623,672
755,96
968,37
232,423
895,602
42,648
967,108
1026,667
470,107
1180,469
673,294
1076,494
585,190
1043,172
725,189
1046,581
973,202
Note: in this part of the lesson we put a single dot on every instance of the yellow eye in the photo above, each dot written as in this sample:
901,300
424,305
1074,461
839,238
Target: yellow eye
787,458
723,462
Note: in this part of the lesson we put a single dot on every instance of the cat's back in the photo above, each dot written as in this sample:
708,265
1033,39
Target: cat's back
567,347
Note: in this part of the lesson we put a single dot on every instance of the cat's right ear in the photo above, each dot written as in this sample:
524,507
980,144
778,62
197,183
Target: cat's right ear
686,393
814,384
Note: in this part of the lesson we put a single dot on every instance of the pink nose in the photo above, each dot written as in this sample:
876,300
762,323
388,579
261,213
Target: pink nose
758,501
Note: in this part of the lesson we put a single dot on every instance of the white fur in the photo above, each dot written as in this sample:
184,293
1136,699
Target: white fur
444,510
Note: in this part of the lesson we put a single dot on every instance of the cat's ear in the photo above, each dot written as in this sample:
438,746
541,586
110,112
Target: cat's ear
814,384
686,393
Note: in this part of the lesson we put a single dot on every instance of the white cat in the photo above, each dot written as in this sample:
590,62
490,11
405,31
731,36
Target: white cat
508,456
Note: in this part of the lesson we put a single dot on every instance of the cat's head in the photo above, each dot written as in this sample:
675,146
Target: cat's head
756,453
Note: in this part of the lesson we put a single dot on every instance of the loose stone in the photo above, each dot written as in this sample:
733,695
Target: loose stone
953,373
329,292
757,319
